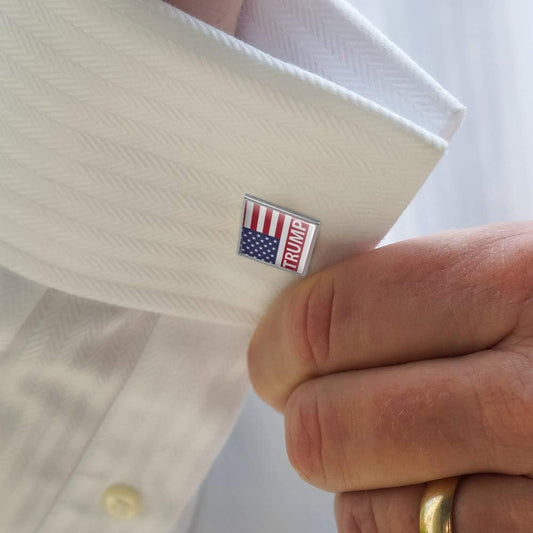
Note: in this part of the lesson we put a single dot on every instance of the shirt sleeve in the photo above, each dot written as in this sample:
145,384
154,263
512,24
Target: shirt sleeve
129,134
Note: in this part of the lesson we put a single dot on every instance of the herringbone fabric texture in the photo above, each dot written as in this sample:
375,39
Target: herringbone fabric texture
92,395
331,39
129,133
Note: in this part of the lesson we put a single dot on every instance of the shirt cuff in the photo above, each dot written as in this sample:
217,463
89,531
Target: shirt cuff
130,132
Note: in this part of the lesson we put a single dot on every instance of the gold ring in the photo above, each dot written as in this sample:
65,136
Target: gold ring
437,505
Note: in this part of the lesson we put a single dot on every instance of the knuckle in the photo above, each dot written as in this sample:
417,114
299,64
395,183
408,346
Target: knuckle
509,254
418,413
506,412
493,269
310,320
355,513
307,425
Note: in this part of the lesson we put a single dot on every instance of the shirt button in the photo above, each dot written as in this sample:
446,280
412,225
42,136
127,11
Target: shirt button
121,501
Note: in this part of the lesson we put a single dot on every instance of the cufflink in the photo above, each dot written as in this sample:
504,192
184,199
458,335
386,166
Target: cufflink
276,236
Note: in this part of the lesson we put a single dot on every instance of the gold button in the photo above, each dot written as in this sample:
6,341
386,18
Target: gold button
121,501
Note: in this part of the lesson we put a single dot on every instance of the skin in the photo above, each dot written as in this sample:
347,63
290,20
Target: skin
406,364
403,365
222,14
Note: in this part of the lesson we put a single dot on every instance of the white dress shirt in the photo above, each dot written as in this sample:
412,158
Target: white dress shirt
129,133
482,52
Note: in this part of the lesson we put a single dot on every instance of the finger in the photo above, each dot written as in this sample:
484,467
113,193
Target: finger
482,504
444,295
220,13
392,510
408,424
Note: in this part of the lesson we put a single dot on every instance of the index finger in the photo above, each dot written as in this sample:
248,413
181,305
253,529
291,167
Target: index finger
451,294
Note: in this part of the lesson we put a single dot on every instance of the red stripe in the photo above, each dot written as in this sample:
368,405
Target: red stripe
268,219
244,212
255,217
279,227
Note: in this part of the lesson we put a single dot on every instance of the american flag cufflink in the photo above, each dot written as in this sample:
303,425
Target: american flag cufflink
276,236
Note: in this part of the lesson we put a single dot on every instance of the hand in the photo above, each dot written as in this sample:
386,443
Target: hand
406,364
220,13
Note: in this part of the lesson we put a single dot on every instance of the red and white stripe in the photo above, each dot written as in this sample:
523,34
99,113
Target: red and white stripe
264,219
